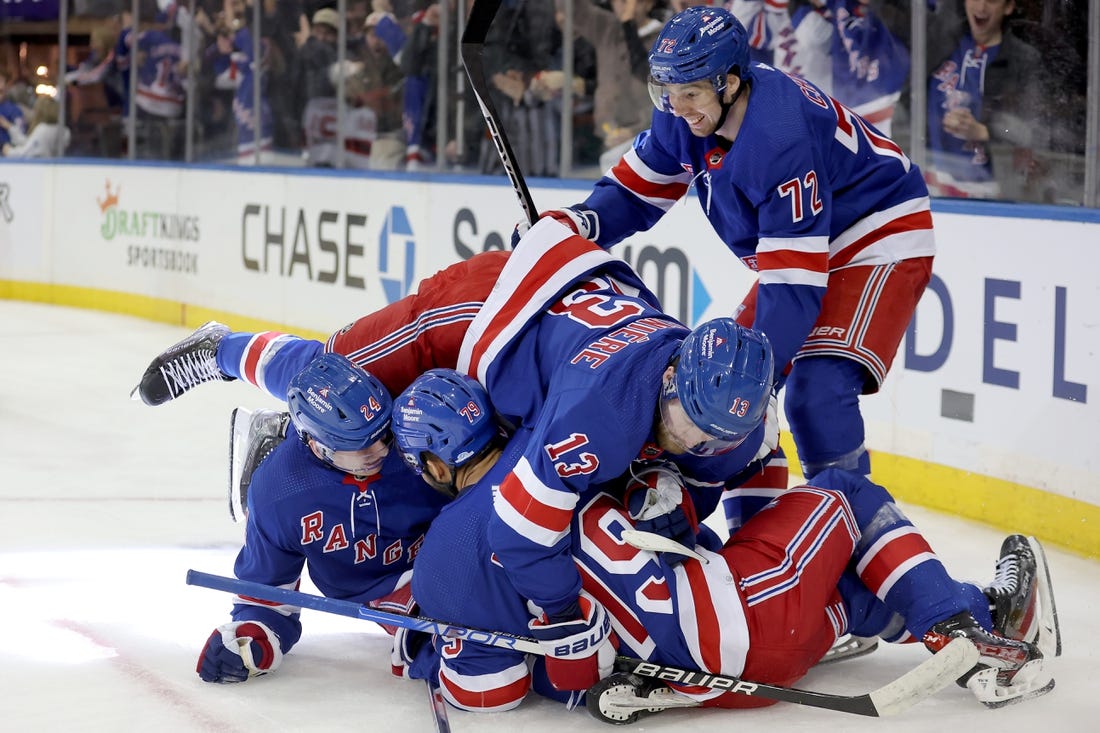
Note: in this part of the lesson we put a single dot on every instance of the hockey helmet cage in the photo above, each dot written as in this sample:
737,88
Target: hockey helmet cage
446,413
339,405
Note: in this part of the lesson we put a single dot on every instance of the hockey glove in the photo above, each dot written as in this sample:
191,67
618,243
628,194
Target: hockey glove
583,222
658,503
239,650
407,646
771,430
579,644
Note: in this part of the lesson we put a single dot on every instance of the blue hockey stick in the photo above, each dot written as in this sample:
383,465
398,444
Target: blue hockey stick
927,678
272,594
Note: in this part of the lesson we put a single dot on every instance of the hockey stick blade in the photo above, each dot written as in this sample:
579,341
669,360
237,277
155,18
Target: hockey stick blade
932,675
473,41
923,681
659,543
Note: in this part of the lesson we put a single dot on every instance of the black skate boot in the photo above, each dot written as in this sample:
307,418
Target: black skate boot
1021,598
182,366
252,437
1008,670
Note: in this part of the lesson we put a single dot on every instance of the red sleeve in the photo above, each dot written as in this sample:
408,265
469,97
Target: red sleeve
423,330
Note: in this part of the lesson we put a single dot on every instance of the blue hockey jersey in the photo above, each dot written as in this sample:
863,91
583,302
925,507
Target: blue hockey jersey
572,347
659,611
805,188
357,538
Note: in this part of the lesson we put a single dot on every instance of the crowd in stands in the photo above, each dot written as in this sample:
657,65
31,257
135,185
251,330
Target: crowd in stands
1005,84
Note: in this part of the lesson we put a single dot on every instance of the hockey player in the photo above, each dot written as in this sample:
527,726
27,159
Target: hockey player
431,328
337,501
831,556
832,215
395,344
607,378
565,325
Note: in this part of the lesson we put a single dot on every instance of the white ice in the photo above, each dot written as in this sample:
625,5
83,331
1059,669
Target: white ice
106,503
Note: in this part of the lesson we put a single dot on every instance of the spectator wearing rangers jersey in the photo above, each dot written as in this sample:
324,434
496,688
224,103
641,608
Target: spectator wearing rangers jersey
845,49
831,214
160,92
337,502
231,65
987,92
831,556
11,114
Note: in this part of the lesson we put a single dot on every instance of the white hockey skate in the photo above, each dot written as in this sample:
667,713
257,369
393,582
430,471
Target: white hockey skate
849,647
622,698
252,437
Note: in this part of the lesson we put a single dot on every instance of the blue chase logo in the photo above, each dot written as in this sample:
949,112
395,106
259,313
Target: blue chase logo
396,255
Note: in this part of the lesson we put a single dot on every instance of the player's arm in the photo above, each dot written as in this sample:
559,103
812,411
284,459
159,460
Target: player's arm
571,450
254,641
638,190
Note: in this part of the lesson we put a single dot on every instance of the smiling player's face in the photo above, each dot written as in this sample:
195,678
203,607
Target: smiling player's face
696,104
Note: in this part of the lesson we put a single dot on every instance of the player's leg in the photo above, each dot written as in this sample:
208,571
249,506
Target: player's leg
822,406
742,501
214,353
787,561
896,564
863,318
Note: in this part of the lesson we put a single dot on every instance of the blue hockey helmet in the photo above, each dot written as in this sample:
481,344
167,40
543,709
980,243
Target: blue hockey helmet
445,413
699,43
338,405
723,382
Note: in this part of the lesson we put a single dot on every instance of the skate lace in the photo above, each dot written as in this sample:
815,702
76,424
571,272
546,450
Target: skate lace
189,370
1007,577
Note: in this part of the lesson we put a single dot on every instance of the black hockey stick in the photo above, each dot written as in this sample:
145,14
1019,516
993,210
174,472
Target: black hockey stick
473,41
924,680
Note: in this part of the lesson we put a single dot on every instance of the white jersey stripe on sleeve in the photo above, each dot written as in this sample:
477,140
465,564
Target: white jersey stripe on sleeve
656,189
533,509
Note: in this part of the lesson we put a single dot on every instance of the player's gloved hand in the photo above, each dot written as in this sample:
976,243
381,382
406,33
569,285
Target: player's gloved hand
771,430
658,503
584,222
407,645
579,644
239,650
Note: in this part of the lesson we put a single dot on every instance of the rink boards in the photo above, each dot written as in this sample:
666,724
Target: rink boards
986,413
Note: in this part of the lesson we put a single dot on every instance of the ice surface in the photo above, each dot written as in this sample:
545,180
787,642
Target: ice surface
106,503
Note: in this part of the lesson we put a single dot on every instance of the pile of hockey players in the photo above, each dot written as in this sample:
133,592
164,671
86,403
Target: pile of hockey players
354,490
531,427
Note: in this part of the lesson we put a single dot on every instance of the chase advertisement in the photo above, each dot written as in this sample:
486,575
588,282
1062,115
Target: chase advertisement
997,374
